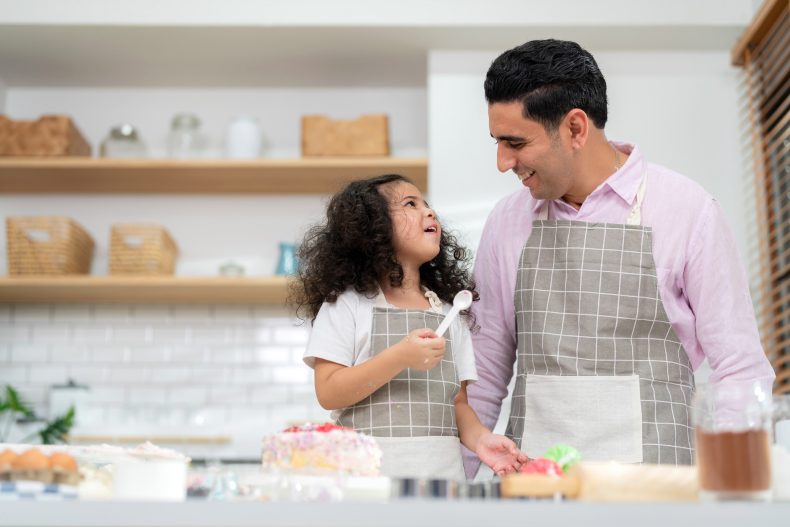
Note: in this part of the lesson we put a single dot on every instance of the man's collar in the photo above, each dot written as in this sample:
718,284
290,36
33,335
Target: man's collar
624,182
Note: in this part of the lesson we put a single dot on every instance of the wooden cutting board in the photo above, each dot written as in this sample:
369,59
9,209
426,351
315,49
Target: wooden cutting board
608,481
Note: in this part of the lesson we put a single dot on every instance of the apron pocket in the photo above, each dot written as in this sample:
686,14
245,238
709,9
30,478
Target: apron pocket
426,457
600,416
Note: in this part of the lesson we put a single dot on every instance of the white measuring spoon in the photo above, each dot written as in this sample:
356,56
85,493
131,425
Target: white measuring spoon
462,300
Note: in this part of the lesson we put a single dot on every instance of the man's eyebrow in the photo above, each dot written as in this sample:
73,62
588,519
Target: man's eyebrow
511,138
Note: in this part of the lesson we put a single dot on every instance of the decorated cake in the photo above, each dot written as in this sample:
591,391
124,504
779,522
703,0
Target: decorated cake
313,448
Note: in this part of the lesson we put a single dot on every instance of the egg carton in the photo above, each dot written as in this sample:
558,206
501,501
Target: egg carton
36,490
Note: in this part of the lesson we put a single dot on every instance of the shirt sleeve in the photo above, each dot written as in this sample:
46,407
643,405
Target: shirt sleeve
718,293
495,341
332,336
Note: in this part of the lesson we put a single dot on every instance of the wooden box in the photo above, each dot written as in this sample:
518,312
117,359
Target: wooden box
365,136
47,245
50,135
141,250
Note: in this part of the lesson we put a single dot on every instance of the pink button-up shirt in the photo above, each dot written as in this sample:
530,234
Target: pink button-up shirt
700,276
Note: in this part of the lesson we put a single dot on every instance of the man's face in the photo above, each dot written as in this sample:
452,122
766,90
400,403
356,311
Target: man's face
537,157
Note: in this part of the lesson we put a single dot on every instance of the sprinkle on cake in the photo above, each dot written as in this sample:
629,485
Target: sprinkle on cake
320,448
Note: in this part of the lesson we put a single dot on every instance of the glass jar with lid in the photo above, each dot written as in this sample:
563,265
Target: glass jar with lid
185,140
123,141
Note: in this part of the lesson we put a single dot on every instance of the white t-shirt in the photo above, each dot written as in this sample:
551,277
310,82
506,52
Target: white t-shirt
342,330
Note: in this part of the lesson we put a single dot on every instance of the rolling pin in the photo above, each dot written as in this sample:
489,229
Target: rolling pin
608,481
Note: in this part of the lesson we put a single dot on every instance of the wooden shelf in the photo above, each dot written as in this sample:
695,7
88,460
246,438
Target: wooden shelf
276,176
143,290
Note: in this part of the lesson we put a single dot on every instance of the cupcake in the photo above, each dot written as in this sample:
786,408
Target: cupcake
31,465
64,469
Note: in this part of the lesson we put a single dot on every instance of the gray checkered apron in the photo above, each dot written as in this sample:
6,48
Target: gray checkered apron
412,417
598,364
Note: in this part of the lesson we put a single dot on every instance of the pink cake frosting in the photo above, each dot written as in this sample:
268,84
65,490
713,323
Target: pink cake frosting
320,448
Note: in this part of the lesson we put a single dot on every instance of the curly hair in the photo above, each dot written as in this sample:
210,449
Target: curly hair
353,248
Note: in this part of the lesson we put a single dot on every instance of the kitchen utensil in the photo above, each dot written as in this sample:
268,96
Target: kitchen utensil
608,481
462,300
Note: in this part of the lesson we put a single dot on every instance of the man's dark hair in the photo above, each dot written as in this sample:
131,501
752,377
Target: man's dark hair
550,78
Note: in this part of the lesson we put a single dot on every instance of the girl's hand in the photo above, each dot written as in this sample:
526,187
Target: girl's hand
500,453
421,349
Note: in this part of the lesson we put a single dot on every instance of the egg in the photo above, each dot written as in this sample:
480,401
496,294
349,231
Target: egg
7,458
60,461
31,459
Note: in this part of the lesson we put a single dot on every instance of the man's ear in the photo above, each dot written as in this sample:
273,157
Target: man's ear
576,125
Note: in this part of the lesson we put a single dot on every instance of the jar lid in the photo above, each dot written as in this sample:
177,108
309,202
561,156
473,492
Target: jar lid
124,131
185,120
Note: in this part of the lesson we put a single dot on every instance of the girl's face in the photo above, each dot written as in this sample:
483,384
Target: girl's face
416,231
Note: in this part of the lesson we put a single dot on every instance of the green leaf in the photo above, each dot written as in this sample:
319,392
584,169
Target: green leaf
57,429
14,402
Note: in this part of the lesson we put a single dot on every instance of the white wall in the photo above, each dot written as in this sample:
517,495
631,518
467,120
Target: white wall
2,96
679,107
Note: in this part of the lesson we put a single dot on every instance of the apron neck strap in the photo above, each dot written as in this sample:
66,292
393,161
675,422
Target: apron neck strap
634,216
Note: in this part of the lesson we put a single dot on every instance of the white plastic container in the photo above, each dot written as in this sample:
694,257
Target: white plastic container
244,138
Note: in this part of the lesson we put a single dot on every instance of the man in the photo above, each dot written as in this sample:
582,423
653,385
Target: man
608,280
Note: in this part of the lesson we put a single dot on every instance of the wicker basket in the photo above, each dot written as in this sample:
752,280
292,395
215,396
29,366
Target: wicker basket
47,245
365,136
50,135
142,250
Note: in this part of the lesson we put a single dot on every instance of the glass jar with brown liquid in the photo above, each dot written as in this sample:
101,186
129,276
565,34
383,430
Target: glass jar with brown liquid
733,433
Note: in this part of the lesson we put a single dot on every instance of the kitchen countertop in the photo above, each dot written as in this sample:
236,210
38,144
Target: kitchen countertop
414,513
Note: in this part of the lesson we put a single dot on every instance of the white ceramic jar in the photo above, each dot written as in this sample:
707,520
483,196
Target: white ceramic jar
243,138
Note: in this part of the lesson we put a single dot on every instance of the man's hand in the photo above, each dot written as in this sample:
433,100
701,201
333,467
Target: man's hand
500,453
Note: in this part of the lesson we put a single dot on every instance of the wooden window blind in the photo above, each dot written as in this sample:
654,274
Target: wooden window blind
764,54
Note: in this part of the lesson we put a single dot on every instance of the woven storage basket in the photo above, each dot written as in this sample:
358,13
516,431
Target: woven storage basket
50,135
142,249
47,245
365,136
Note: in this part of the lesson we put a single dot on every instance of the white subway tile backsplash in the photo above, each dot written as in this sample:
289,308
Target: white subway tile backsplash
14,374
251,335
290,336
72,313
59,334
112,314
110,353
188,395
234,314
270,395
211,335
90,374
210,368
252,375
211,375
91,334
169,375
132,334
273,355
35,394
146,394
291,375
188,354
12,333
148,354
107,394
229,394
26,353
190,313
76,353
48,374
164,335
32,313
129,375
154,314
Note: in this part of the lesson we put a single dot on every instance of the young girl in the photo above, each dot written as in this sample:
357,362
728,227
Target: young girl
376,279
